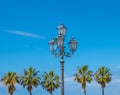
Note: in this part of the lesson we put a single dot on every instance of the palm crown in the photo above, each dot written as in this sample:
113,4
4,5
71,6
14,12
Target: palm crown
103,76
50,81
83,75
9,80
30,79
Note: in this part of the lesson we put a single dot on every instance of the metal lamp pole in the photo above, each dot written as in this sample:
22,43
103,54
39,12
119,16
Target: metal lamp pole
57,48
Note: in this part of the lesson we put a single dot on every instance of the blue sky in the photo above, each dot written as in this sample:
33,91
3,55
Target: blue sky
26,26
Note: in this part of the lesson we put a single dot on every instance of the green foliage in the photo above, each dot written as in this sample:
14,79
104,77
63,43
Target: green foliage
50,81
9,80
82,76
30,79
103,76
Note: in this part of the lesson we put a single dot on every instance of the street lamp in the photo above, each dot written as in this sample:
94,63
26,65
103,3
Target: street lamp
57,48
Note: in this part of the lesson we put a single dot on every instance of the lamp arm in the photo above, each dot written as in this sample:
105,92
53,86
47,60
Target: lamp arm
56,54
68,54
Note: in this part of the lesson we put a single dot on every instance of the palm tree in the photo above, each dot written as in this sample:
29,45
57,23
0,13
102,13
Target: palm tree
9,80
50,81
103,76
30,79
82,76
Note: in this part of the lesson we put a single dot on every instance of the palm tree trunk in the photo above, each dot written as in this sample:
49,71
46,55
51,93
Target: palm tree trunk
30,93
102,91
51,92
84,91
11,93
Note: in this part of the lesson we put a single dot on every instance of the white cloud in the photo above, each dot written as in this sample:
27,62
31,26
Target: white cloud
27,34
115,80
114,66
118,67
93,83
69,79
1,85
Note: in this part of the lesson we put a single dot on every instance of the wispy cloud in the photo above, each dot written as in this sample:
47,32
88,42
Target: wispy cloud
93,83
69,79
26,34
114,66
115,80
1,85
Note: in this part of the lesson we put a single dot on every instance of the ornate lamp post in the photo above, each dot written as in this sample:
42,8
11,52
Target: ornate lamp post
57,48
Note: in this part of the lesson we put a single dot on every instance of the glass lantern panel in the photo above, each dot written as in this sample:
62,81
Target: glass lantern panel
60,42
52,45
72,44
61,30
